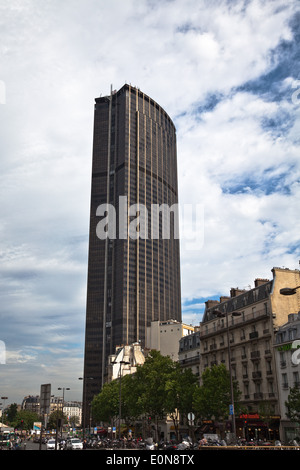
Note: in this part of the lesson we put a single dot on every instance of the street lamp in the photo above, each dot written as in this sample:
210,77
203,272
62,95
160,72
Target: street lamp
63,401
289,290
57,419
220,314
85,381
120,391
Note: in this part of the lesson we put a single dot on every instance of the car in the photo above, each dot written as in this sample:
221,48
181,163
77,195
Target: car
74,444
50,444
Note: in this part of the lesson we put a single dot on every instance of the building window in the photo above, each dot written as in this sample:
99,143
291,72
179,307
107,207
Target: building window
296,379
282,359
292,333
246,390
284,379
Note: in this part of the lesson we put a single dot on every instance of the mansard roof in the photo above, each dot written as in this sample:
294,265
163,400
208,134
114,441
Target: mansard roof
238,302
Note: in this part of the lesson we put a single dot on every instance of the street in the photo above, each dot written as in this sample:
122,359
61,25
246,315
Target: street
27,445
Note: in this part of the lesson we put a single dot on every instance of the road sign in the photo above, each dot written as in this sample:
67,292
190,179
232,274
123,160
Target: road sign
231,409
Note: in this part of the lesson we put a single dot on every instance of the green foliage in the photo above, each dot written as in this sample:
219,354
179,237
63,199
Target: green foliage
22,419
180,388
12,412
54,416
152,378
213,398
160,387
105,405
293,405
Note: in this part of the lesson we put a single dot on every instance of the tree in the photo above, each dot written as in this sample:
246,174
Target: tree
131,405
180,388
293,405
105,405
54,417
152,378
73,421
11,413
213,398
25,419
147,393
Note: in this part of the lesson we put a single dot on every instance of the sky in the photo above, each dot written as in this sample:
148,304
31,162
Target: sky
226,72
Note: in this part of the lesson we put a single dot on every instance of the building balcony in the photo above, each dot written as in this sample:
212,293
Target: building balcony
248,318
256,374
189,361
255,354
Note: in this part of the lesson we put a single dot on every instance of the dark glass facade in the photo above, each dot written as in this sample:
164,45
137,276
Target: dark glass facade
131,280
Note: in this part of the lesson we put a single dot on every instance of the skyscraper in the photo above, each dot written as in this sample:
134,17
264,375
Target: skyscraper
133,266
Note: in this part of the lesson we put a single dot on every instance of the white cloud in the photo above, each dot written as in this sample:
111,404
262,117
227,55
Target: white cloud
237,151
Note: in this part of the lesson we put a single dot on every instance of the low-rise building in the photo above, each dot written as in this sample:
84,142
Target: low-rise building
189,352
31,403
125,361
164,336
71,409
73,412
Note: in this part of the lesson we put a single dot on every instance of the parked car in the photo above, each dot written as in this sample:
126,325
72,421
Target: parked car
50,444
74,444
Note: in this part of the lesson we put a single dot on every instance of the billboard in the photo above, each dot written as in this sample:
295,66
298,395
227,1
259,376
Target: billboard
37,427
45,399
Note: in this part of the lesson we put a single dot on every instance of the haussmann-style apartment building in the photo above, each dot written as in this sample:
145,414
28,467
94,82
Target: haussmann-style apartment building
287,354
254,316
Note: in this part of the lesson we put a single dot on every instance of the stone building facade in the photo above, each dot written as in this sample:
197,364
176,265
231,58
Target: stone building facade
250,319
287,356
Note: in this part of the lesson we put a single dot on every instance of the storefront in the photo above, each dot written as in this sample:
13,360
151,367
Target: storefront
253,427
207,427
